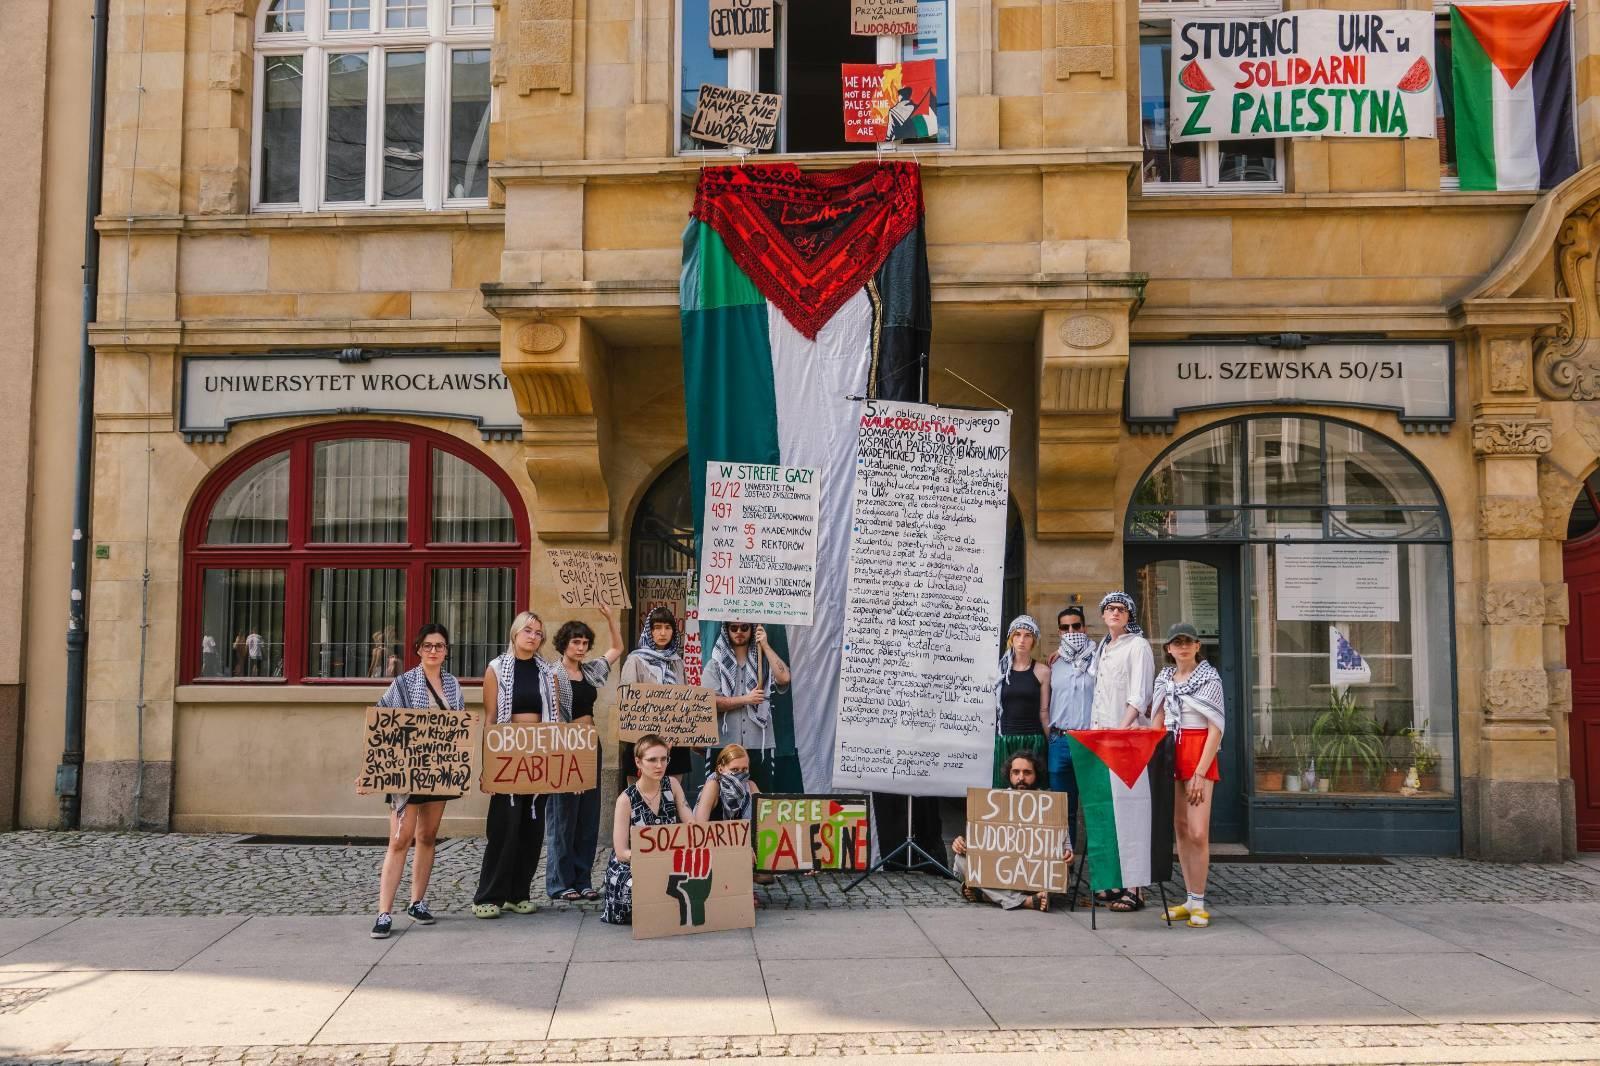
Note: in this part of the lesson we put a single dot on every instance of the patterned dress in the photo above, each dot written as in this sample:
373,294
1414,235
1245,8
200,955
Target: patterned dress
618,908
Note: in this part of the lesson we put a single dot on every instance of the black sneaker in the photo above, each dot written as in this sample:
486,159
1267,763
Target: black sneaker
381,927
418,912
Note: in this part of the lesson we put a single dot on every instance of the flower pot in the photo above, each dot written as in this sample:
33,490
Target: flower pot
1291,782
1392,780
1324,784
1428,782
1348,782
1269,780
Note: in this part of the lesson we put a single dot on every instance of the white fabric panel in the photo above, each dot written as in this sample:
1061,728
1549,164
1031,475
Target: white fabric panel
1132,809
1516,133
817,427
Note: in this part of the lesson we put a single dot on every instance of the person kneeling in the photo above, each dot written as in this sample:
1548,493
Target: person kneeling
1023,772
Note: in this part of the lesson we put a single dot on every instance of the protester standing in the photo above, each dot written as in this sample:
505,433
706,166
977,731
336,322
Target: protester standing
572,820
1022,698
1023,771
654,799
1071,699
414,820
1124,671
745,672
1189,702
656,661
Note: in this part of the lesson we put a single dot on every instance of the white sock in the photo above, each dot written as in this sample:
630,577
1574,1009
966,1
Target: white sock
1196,903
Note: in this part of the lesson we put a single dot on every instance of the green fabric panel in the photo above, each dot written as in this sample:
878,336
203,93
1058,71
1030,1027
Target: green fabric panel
710,278
1471,73
1099,818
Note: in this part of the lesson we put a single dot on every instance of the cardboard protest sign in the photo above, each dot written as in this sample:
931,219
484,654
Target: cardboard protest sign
1016,839
537,758
691,879
758,558
875,18
796,833
1329,73
660,590
741,24
682,715
736,117
693,660
890,102
588,578
425,752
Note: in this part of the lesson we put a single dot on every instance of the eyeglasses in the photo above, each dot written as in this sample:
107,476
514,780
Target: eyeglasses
1068,627
435,647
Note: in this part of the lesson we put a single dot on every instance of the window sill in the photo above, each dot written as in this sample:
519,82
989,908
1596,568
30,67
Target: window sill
295,219
1231,200
260,692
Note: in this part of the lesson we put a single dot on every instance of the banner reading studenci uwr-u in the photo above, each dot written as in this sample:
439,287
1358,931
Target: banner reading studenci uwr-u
1328,73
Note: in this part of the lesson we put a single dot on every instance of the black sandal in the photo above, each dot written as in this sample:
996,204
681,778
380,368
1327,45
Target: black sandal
1127,902
1039,901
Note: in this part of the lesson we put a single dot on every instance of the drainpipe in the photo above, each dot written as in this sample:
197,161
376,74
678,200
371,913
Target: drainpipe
69,775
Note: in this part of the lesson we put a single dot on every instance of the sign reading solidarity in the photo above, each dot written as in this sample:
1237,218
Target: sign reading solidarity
691,879
758,559
1016,839
537,758
588,578
421,752
736,117
741,24
682,715
804,833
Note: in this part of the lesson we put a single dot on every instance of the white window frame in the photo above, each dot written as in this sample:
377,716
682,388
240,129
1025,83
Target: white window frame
1210,153
437,40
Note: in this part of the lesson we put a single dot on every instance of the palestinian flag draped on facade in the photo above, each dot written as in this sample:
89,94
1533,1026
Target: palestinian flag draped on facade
800,290
1125,786
1513,95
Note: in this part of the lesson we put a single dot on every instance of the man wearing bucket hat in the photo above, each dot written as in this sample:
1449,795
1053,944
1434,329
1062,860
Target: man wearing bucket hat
1188,701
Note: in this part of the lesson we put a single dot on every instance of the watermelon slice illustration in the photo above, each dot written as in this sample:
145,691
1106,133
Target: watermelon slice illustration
1418,78
1194,79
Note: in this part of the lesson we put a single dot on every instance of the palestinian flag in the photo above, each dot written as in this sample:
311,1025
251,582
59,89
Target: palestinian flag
800,290
1512,77
1125,785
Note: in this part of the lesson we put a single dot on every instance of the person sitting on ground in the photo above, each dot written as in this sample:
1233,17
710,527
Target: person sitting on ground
654,799
729,793
1024,771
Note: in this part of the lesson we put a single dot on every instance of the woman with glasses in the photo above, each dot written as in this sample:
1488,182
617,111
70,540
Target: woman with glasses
414,820
1022,698
654,799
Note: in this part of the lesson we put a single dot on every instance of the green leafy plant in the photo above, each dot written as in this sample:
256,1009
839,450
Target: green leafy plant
1346,740
1424,756
1396,745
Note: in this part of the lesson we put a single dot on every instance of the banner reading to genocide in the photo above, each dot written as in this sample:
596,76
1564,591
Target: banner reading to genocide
796,833
1333,73
426,752
691,879
922,610
758,559
537,758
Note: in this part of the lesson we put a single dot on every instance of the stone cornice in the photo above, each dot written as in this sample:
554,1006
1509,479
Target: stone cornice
1200,203
934,164
262,334
490,218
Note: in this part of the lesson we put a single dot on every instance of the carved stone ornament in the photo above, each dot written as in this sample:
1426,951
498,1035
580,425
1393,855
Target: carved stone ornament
1513,603
1510,518
1557,611
1512,436
1566,360
1508,365
1521,695
1087,331
536,338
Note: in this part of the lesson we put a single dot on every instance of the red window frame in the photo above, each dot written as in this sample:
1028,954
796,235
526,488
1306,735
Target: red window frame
417,556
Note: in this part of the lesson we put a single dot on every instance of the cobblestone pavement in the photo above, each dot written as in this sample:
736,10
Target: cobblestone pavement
44,873
1568,1041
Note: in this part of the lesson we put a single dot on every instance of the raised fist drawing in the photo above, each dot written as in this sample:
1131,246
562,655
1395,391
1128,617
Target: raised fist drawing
690,883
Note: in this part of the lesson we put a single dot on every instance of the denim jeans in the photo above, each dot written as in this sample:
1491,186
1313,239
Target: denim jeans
572,832
1063,778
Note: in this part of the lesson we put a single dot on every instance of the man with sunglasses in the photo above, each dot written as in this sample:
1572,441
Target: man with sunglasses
1071,698
745,672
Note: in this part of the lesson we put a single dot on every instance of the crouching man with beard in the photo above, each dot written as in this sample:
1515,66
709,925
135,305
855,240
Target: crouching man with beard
1024,771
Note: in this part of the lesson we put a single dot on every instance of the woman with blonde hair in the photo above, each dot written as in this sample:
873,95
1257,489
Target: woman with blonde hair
1021,698
654,799
729,794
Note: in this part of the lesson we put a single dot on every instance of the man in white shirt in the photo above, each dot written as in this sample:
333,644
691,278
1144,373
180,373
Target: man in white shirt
254,646
1124,667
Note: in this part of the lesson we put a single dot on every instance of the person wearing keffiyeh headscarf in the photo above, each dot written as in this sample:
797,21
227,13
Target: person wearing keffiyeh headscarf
656,661
745,672
1021,698
1124,667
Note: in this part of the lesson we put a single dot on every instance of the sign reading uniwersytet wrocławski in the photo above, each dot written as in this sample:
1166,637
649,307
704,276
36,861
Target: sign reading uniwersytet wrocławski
1411,379
219,390
1333,73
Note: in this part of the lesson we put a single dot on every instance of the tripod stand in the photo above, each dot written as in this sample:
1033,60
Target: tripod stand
909,848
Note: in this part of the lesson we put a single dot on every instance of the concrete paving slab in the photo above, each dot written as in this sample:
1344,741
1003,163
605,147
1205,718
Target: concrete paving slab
189,1008
869,995
15,932
1082,992
1575,970
1270,990
979,930
120,944
535,938
75,1001
1346,929
1144,933
599,942
1490,927
289,944
458,1001
1583,915
882,934
1463,987
719,993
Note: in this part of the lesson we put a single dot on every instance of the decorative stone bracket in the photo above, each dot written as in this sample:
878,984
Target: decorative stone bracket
1084,363
1511,436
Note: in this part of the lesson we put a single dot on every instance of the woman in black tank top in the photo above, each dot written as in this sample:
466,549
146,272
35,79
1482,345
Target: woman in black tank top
1022,699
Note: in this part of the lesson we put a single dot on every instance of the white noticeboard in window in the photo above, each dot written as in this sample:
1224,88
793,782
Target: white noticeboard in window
1338,582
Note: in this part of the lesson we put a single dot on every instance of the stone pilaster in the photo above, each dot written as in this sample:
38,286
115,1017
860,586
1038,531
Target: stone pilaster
1083,355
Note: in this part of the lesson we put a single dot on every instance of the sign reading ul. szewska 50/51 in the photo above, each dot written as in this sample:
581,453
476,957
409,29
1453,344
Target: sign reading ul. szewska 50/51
1336,73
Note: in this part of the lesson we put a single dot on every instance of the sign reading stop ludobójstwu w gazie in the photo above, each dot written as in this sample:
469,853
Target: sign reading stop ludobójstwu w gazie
1333,73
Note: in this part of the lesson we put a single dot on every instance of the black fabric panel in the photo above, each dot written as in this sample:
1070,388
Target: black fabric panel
1552,105
1163,765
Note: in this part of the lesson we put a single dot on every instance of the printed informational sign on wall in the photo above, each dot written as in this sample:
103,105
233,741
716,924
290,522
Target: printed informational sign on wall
681,715
588,578
1337,582
1328,73
740,24
929,40
889,102
797,834
537,758
736,117
922,613
1016,839
691,879
877,18
422,752
758,558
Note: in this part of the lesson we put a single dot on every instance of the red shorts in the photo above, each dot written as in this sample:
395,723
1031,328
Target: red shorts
1191,742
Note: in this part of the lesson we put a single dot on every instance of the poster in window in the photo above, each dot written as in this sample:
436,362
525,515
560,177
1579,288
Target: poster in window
736,118
1338,583
740,24
890,101
929,42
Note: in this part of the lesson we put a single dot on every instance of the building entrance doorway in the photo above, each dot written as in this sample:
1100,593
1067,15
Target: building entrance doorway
1581,569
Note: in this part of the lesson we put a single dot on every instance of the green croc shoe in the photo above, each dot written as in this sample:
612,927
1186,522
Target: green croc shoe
523,906
485,910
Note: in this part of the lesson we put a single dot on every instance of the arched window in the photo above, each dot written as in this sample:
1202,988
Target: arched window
315,555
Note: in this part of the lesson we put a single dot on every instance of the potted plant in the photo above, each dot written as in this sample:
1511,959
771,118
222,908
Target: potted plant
1396,745
1425,758
1292,779
1269,771
1345,738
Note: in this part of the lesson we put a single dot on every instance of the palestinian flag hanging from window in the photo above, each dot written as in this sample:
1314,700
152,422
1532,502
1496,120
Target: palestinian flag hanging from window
1125,785
1513,95
799,290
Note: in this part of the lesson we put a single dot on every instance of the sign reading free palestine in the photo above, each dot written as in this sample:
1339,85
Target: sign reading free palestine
1334,73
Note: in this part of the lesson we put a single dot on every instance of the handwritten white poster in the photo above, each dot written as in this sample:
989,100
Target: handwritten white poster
922,614
1338,583
758,560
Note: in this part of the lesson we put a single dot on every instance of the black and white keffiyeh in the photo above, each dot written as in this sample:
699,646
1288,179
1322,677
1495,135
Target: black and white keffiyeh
1201,691
1126,601
1027,624
411,690
730,677
661,662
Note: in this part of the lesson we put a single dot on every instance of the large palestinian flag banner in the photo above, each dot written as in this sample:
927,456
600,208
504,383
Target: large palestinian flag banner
801,290
1125,786
1512,74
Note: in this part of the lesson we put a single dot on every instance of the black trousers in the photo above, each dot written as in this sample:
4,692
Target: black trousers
512,853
